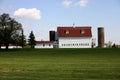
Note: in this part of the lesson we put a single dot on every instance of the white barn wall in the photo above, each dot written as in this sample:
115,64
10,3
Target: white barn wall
75,42
45,46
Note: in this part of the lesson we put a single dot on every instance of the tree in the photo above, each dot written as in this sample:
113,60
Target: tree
22,41
9,28
114,46
4,19
19,39
31,40
1,39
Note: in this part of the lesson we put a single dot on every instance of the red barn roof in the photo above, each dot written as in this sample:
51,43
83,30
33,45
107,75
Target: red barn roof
44,42
78,31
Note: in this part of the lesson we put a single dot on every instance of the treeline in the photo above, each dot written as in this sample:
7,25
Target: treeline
12,33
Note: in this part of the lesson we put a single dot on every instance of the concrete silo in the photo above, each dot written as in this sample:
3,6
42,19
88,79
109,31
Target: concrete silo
101,39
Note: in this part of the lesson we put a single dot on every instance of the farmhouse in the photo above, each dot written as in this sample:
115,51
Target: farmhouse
68,37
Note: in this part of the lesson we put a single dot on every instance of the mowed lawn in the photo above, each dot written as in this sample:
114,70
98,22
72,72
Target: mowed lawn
60,64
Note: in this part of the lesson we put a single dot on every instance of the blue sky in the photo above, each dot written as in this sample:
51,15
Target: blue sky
40,16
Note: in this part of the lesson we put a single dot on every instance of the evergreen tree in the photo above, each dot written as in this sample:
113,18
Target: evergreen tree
22,41
31,40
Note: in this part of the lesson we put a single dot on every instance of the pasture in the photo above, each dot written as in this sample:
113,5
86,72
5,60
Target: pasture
60,64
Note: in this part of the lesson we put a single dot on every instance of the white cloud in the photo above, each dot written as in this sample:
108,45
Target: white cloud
82,3
32,13
67,3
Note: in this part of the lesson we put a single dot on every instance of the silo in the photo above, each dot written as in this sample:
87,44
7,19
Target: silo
52,35
101,37
56,36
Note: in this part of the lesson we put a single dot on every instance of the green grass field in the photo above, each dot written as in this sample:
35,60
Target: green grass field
60,64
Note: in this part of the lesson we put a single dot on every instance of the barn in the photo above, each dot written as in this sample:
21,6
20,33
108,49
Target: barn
74,37
68,37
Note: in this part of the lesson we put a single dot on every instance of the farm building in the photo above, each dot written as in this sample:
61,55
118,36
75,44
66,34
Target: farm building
52,43
74,37
44,44
68,37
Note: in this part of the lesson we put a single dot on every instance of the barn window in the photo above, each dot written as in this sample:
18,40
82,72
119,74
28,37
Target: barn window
43,45
77,44
82,31
66,32
63,44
